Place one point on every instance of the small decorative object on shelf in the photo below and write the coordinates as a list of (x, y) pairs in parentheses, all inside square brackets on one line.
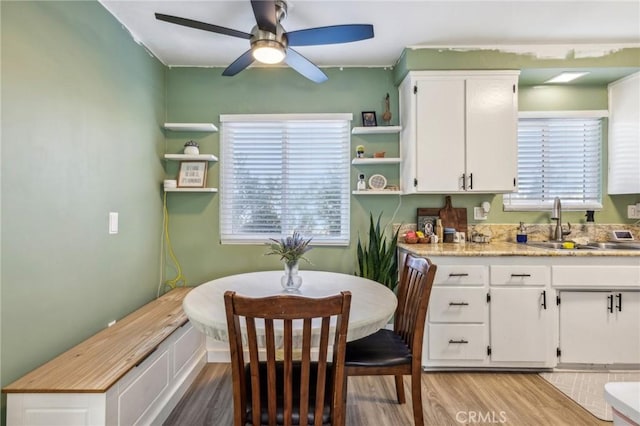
[(386, 116), (362, 185), (360, 151), (191, 148), (369, 119), (379, 154), (377, 182), (290, 249), (192, 174)]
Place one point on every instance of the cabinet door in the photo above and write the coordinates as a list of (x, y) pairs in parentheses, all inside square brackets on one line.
[(521, 325), (626, 327), (492, 143), (585, 327), (440, 135)]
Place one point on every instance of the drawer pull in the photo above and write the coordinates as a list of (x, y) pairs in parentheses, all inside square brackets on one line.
[(619, 297), (544, 299), (459, 274), (520, 275), (461, 341), (458, 304), (610, 303)]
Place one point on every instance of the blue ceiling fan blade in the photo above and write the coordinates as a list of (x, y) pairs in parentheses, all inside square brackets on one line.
[(265, 13), (239, 64), (330, 35), (202, 26), (305, 66)]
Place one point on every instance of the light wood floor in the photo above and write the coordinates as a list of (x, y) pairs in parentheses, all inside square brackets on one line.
[(448, 399)]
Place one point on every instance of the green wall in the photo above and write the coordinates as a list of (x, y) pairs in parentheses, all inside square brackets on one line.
[(82, 107), (198, 94)]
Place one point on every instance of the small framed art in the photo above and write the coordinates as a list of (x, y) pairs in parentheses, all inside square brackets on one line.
[(369, 119), (192, 174)]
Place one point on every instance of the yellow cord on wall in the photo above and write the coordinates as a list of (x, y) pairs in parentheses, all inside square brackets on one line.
[(179, 278)]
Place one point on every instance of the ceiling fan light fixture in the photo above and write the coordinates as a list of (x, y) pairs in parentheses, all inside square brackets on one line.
[(268, 51)]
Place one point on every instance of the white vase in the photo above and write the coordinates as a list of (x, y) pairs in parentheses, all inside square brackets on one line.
[(291, 281), (191, 150)]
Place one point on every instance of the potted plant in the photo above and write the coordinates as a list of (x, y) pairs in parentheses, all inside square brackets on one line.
[(378, 260), (290, 249)]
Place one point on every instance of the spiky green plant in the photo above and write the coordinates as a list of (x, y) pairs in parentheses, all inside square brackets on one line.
[(378, 261), (290, 249)]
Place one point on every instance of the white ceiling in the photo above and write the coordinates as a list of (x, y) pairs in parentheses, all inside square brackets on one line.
[(397, 24)]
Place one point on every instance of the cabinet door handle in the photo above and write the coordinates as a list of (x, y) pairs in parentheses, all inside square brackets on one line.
[(464, 182), (458, 304), (544, 299), (458, 274), (470, 180), (619, 297), (520, 275), (460, 342), (610, 303)]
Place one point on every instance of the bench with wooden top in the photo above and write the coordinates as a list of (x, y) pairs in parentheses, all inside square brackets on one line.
[(132, 372)]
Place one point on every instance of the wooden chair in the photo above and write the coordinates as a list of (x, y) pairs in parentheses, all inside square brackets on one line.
[(287, 391), (399, 352)]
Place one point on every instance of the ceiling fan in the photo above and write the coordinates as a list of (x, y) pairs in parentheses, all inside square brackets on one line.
[(270, 43)]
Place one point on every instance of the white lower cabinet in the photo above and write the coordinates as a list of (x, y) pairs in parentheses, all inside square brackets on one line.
[(521, 324), (521, 313), (503, 311), (144, 396), (600, 327)]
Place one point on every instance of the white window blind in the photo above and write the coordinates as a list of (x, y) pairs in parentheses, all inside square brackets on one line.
[(558, 157), (285, 172)]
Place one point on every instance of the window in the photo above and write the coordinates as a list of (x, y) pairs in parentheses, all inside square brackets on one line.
[(559, 155), (285, 172)]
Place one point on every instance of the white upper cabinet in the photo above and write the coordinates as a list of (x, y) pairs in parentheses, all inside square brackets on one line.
[(459, 131), (624, 136)]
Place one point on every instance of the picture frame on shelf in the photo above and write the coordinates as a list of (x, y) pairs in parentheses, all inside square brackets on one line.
[(192, 174), (369, 119)]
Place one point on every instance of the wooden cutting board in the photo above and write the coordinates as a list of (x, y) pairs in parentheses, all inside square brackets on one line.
[(452, 217)]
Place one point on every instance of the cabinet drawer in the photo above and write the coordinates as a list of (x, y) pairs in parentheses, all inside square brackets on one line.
[(461, 275), (457, 342), (520, 275), (596, 276), (458, 305)]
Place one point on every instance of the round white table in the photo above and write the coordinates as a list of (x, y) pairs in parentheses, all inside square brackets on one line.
[(372, 304)]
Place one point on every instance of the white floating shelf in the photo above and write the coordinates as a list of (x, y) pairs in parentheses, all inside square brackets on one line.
[(372, 192), (191, 127), (375, 130), (191, 189), (383, 160), (183, 157)]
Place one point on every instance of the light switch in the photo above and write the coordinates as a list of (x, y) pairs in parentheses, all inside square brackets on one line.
[(113, 222)]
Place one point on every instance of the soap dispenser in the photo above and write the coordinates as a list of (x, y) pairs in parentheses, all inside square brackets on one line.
[(590, 226), (521, 237)]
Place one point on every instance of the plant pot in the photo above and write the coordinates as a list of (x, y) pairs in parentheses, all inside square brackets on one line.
[(291, 281)]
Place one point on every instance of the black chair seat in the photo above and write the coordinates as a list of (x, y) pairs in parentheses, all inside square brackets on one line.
[(382, 348), (264, 394)]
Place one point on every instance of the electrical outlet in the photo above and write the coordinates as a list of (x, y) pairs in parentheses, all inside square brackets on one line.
[(632, 212), (479, 213)]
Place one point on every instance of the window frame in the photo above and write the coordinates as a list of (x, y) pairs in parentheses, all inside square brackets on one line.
[(228, 236), (536, 206)]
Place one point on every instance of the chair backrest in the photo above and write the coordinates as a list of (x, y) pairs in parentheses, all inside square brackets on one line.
[(264, 316), (414, 289)]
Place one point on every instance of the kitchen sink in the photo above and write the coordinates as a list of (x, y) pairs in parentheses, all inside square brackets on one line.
[(622, 245), (591, 246)]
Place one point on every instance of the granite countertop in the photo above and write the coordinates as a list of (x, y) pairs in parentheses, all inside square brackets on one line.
[(499, 248)]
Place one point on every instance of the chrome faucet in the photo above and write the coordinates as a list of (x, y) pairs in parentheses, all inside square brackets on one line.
[(556, 214)]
